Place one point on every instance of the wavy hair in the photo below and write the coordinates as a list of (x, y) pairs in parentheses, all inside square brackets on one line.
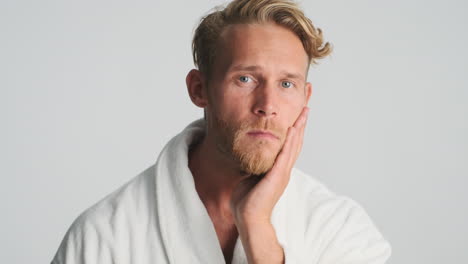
[(283, 12)]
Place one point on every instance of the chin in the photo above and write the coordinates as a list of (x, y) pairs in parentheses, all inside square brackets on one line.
[(255, 159)]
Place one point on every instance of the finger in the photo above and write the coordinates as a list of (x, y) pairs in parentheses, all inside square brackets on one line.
[(287, 149), (300, 120), (289, 152), (299, 124), (294, 145), (283, 159), (295, 139), (301, 135)]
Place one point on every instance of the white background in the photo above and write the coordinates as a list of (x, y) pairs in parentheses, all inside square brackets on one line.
[(90, 91)]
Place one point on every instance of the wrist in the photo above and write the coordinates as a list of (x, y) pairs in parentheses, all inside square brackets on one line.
[(260, 242)]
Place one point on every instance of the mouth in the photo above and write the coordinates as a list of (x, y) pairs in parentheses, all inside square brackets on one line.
[(262, 134)]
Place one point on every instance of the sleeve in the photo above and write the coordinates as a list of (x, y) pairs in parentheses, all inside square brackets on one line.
[(82, 244), (356, 241), (71, 248)]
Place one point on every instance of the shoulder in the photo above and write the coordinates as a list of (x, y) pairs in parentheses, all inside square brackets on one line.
[(313, 196), (126, 200), (101, 225), (337, 224), (316, 197)]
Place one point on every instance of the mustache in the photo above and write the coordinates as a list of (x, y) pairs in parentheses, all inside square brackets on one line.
[(262, 124)]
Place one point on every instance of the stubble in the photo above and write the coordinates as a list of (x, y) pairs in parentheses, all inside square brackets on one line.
[(253, 156)]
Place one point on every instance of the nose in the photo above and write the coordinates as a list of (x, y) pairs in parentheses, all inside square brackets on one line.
[(266, 102)]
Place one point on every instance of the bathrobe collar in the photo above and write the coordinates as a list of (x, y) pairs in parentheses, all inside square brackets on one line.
[(187, 231)]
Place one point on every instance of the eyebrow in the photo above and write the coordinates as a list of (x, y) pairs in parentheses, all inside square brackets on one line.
[(243, 67)]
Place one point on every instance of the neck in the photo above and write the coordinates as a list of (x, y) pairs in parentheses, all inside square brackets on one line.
[(215, 176)]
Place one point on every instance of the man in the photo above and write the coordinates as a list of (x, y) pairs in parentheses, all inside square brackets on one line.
[(224, 190)]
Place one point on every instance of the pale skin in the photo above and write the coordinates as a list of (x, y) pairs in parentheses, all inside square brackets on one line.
[(267, 58)]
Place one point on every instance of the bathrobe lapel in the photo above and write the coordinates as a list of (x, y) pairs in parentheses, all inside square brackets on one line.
[(186, 229)]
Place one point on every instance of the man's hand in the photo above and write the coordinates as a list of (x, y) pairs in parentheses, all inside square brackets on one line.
[(254, 198)]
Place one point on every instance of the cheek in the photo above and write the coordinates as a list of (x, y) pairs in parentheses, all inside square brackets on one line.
[(234, 107), (294, 110)]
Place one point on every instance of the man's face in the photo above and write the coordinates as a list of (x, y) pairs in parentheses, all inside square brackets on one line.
[(256, 91)]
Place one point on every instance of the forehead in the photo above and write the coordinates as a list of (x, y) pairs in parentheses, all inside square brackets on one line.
[(268, 45)]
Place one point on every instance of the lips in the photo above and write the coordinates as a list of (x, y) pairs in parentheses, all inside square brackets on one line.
[(262, 134)]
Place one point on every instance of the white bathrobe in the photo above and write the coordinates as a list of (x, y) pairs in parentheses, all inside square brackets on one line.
[(158, 217)]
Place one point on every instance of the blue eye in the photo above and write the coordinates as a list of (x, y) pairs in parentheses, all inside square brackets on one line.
[(244, 79), (286, 84)]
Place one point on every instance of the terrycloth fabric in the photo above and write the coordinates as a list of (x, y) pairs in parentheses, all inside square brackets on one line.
[(158, 217)]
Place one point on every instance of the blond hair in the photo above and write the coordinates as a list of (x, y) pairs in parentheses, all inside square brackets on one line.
[(282, 12)]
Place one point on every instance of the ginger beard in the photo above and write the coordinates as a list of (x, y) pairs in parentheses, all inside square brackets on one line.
[(254, 156)]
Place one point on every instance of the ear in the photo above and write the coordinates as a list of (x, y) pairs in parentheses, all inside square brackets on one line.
[(308, 91), (196, 88)]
